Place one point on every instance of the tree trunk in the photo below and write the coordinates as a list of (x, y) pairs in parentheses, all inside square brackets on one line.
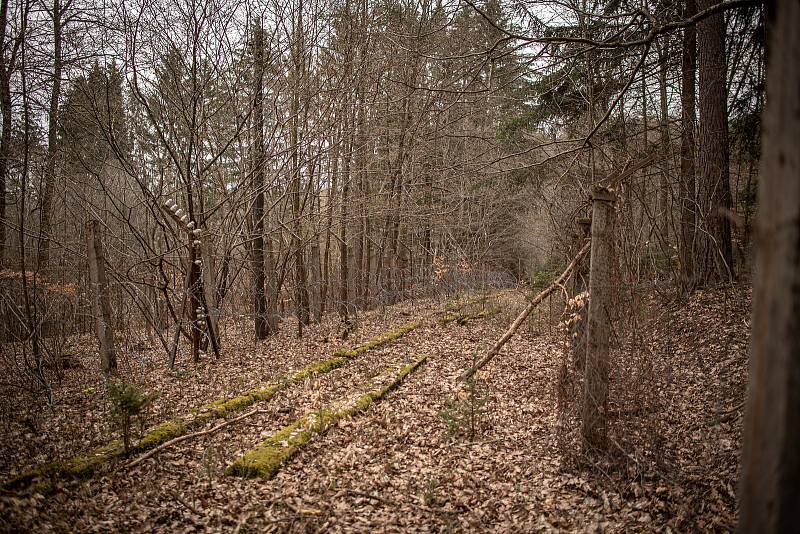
[(43, 256), (595, 395), (359, 231), (6, 67), (664, 211), (298, 248), (714, 259), (102, 305), (344, 275), (326, 261), (687, 194), (274, 285), (261, 323), (769, 492), (209, 294), (367, 248), (315, 272), (5, 154)]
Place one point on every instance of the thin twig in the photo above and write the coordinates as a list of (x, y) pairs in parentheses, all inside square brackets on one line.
[(184, 503)]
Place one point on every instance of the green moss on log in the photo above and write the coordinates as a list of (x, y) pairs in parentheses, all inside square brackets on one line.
[(23, 479), (160, 434), (265, 460), (77, 467), (319, 368), (377, 341), (86, 464), (223, 407)]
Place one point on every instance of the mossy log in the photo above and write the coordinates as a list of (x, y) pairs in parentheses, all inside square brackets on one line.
[(77, 467), (86, 464), (377, 341), (266, 460)]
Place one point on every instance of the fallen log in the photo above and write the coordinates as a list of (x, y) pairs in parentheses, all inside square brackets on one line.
[(559, 283), (266, 459)]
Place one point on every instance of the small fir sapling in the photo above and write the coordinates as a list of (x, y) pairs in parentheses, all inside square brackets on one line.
[(128, 401), (463, 413)]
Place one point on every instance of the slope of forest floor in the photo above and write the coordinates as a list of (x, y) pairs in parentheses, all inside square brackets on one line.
[(395, 467)]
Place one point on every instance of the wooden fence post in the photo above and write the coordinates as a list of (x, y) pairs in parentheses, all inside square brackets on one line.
[(595, 394), (102, 305)]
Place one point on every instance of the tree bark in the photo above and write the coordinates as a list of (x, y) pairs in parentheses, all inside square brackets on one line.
[(102, 305), (687, 194), (769, 492), (344, 275), (714, 259), (260, 322), (6, 67), (209, 295), (298, 248), (43, 256), (326, 261), (315, 272), (664, 211), (595, 394)]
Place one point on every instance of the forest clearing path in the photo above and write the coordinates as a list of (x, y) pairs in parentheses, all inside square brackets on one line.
[(394, 468), (315, 387)]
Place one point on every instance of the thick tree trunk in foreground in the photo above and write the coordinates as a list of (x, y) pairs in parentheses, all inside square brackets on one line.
[(595, 394), (769, 493)]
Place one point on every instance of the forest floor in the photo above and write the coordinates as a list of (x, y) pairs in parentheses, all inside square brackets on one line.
[(402, 464)]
